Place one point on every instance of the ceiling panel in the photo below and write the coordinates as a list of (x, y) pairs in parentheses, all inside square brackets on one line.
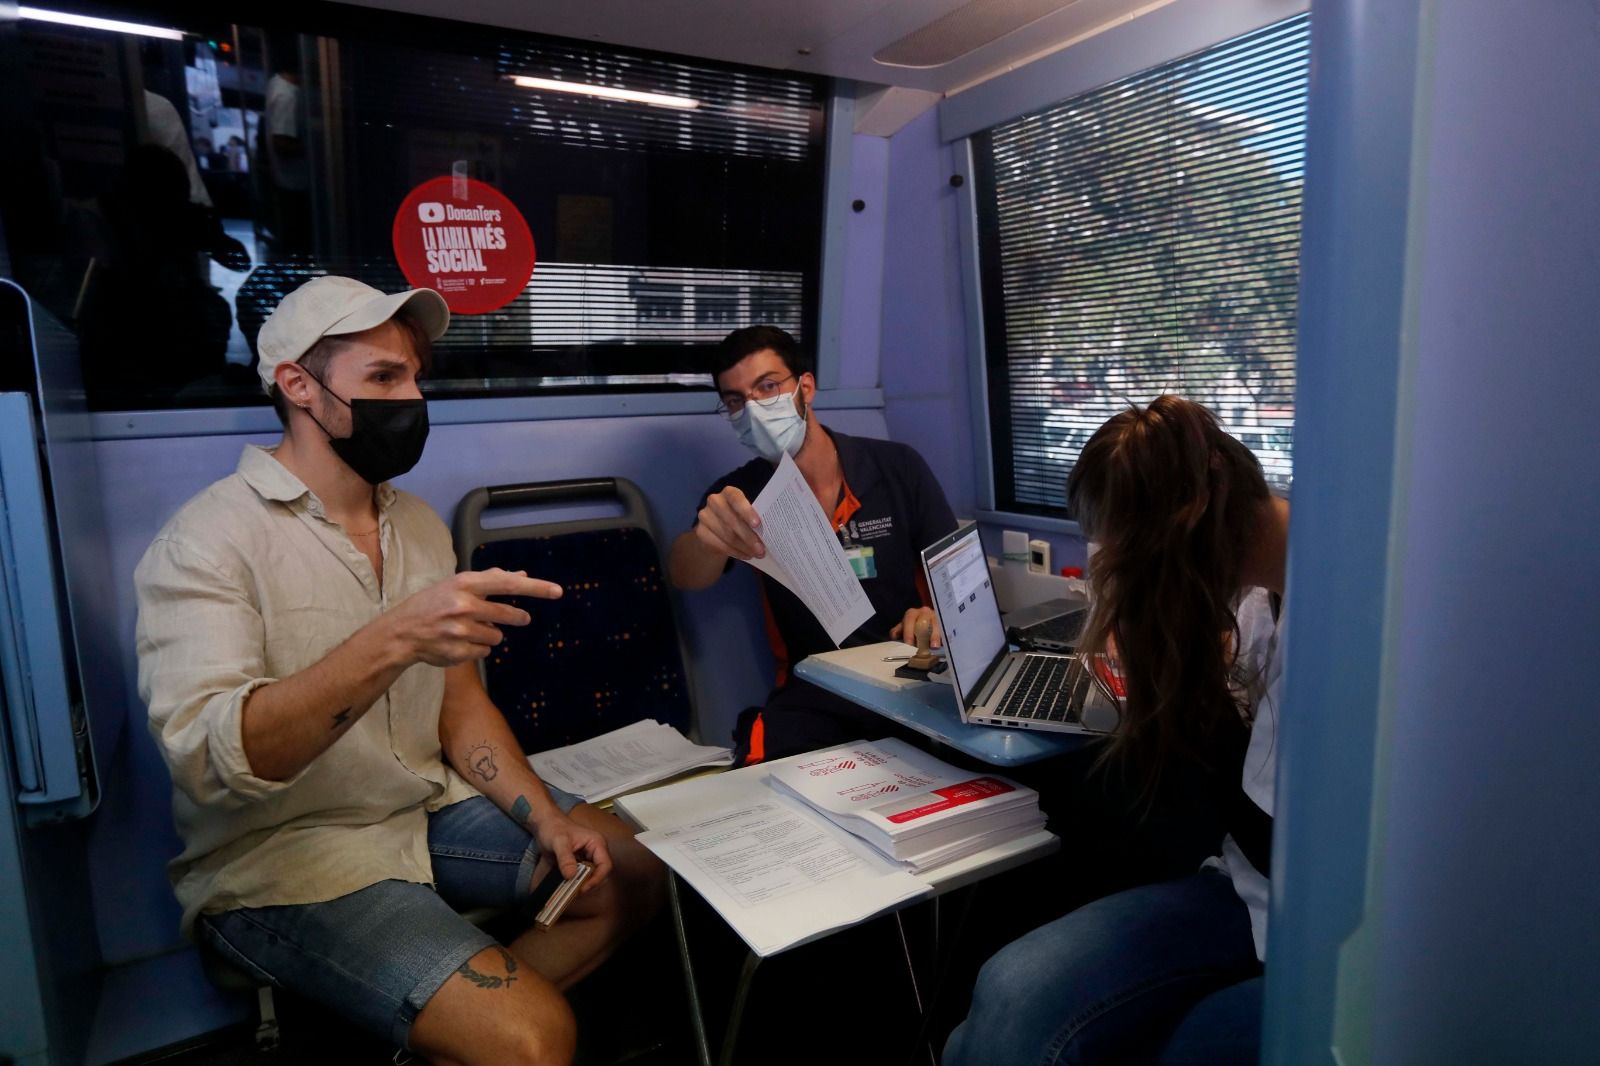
[(837, 38)]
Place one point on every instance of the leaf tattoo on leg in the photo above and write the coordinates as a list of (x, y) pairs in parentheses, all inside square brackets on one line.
[(486, 980)]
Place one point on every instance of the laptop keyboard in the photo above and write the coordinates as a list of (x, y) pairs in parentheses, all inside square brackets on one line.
[(1054, 634), (1047, 689)]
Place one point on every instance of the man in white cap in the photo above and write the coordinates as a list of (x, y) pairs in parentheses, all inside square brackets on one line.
[(342, 783)]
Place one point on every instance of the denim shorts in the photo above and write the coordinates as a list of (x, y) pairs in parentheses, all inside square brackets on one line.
[(378, 955)]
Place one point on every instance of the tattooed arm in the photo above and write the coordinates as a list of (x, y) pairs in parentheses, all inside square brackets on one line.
[(290, 722), (480, 745)]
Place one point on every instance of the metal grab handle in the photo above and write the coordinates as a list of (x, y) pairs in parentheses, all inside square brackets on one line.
[(467, 528), (550, 491)]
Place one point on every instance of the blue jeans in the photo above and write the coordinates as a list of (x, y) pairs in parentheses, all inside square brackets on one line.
[(378, 955), (1164, 974)]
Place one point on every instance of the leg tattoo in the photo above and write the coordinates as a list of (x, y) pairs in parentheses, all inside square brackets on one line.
[(485, 980)]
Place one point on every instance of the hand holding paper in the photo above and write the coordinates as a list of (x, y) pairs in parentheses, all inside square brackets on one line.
[(804, 556), (727, 525)]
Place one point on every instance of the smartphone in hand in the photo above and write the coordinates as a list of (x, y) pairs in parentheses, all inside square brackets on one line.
[(550, 913)]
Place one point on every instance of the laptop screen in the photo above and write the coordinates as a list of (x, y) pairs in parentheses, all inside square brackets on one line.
[(963, 594)]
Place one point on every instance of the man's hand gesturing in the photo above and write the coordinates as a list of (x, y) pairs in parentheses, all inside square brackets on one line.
[(455, 621)]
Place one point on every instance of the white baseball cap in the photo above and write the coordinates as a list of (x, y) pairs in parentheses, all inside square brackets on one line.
[(334, 306)]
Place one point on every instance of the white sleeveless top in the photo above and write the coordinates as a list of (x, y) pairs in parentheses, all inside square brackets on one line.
[(1262, 644)]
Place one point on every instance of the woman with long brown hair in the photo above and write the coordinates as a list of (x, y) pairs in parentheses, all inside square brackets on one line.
[(1185, 534)]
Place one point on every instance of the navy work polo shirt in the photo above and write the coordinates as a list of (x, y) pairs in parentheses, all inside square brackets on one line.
[(891, 504)]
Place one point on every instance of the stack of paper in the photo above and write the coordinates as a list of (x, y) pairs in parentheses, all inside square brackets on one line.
[(776, 870), (909, 805), (623, 760)]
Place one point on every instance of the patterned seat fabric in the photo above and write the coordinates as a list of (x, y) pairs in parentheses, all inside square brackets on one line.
[(604, 655)]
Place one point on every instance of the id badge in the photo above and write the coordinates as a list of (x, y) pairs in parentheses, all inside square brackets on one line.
[(863, 561)]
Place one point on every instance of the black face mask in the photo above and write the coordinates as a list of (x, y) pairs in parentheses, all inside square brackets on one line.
[(386, 436)]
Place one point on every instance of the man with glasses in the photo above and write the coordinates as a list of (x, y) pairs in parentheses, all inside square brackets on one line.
[(884, 504)]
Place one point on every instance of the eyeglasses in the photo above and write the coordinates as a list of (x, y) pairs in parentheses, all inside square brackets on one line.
[(732, 403)]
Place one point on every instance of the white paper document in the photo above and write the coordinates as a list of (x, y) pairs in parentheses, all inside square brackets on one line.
[(779, 874), (623, 759), (804, 555), (776, 871)]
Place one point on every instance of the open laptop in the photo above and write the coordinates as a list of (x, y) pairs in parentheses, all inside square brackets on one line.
[(996, 686), (1053, 625)]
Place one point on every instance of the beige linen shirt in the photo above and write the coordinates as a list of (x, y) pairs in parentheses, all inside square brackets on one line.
[(251, 582)]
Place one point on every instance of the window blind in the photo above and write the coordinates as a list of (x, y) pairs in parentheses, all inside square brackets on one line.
[(469, 84), (566, 312), (1144, 238)]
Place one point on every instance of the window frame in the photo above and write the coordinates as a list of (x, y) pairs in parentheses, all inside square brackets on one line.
[(1181, 28), (822, 307)]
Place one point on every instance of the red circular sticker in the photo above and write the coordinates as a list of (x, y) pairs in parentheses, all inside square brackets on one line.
[(465, 239)]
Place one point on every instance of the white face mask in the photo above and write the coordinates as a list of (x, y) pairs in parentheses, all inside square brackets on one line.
[(772, 427)]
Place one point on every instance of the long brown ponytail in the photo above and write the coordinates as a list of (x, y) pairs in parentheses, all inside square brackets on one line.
[(1171, 501)]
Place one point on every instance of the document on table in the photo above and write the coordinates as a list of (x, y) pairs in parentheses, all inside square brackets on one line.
[(635, 755), (804, 556), (779, 874)]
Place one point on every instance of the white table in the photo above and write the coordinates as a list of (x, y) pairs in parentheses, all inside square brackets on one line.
[(701, 797)]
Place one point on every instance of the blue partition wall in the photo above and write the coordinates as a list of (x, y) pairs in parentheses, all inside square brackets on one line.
[(1352, 290), (1482, 935), (1435, 879), (926, 366)]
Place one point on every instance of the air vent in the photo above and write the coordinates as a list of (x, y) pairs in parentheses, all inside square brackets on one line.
[(966, 29)]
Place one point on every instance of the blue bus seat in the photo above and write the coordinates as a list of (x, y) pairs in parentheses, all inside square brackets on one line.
[(610, 651), (230, 978)]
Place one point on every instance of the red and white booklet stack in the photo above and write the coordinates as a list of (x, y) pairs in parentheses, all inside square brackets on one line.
[(909, 805)]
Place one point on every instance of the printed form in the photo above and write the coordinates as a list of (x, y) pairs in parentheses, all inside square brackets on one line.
[(804, 556), (638, 754), (778, 873)]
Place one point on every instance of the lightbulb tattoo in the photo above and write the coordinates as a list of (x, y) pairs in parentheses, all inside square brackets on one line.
[(480, 760)]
